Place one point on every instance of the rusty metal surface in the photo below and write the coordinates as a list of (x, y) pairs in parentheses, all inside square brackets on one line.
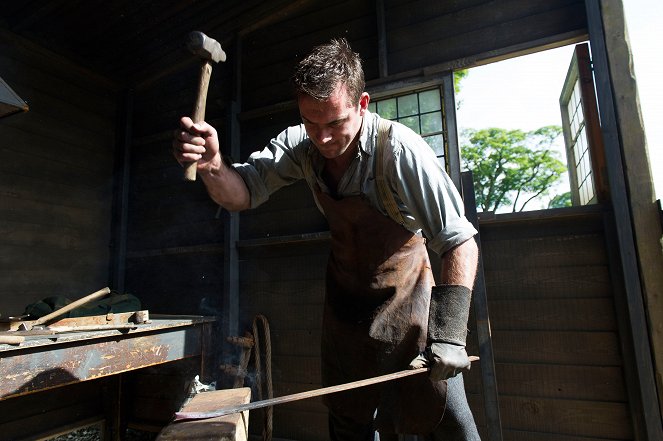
[(44, 363)]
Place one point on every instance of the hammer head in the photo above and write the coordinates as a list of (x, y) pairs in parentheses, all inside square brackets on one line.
[(205, 47)]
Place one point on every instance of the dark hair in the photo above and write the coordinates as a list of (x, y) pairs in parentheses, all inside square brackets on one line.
[(325, 67)]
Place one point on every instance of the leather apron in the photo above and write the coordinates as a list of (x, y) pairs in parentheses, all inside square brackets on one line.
[(375, 320)]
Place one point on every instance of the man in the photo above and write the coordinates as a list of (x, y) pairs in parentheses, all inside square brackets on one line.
[(380, 289)]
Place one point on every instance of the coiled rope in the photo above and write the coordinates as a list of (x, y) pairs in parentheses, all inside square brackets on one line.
[(268, 416)]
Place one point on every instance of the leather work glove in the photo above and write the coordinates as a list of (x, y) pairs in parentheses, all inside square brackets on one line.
[(447, 332)]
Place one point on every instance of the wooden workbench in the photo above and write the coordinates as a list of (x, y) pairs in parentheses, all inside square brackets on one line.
[(42, 366)]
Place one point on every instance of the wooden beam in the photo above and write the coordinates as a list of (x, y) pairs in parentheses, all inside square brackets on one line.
[(451, 128), (480, 303), (643, 398), (647, 225), (120, 210), (382, 39)]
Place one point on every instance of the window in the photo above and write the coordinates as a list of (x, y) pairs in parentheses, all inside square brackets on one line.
[(422, 112), (584, 149)]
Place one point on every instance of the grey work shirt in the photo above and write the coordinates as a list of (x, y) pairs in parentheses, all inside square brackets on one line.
[(426, 197)]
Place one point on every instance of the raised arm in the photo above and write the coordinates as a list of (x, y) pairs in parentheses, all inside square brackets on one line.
[(200, 142)]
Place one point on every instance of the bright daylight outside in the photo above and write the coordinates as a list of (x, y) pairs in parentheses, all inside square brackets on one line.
[(517, 139), (511, 135)]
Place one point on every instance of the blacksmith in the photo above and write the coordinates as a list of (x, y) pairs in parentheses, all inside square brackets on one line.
[(386, 198)]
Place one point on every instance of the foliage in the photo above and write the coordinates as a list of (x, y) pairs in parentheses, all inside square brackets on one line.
[(459, 76), (561, 200), (511, 165)]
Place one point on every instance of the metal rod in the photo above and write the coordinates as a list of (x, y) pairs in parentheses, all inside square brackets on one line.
[(185, 416)]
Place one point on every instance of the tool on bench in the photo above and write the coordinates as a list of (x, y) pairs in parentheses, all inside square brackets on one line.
[(11, 339), (209, 50), (26, 325), (187, 416)]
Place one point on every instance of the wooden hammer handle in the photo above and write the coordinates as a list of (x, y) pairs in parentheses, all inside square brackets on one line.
[(11, 339), (199, 112)]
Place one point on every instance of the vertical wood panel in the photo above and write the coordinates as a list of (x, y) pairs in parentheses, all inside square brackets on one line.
[(557, 347), (56, 163)]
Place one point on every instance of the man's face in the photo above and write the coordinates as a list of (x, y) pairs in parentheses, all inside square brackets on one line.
[(333, 125)]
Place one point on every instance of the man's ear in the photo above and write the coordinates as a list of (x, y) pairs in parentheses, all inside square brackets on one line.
[(363, 102)]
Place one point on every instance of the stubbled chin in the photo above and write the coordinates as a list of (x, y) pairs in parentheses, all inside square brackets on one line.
[(329, 152)]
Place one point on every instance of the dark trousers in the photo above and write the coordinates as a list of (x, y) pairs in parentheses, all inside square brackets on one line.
[(457, 425)]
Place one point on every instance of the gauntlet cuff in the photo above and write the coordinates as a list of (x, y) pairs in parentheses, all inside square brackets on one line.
[(449, 311)]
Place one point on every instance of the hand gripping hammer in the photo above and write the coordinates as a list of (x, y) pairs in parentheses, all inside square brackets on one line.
[(209, 50)]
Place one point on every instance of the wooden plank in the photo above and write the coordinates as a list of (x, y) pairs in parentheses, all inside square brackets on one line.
[(286, 293), (571, 314), (459, 45), (521, 435), (482, 320), (59, 97), (230, 427), (402, 14), (303, 369), (17, 258), (59, 158), (172, 234), (289, 425), (40, 188), (295, 316), (585, 281), (587, 383), (558, 347), (567, 417), (438, 23), (647, 411), (297, 267), (296, 343), (52, 214), (30, 54), (546, 252), (39, 236), (297, 36)]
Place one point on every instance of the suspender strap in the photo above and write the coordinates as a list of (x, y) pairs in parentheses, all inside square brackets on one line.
[(384, 193)]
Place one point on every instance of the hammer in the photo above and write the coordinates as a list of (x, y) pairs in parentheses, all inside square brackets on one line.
[(208, 50)]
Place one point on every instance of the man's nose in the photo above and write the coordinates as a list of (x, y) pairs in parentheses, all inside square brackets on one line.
[(323, 135)]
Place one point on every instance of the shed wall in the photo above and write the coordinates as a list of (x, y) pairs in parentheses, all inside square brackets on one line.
[(56, 177), (557, 346), (551, 294)]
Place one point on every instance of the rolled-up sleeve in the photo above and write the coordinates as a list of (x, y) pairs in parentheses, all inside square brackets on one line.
[(429, 198), (275, 166)]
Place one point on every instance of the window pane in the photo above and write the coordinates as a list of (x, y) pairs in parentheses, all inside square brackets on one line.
[(436, 142), (387, 108), (431, 122), (373, 107), (429, 101), (408, 105), (412, 122)]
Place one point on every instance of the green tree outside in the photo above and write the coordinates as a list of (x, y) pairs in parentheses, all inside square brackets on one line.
[(512, 168)]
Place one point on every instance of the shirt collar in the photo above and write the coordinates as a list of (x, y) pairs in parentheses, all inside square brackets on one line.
[(368, 133)]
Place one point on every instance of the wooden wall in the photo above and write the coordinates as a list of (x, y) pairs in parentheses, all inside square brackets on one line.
[(175, 248), (556, 341), (558, 352), (56, 165)]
